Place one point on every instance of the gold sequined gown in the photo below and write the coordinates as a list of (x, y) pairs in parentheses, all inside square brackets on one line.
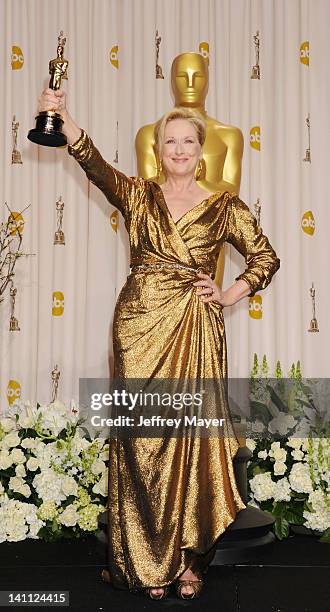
[(171, 499)]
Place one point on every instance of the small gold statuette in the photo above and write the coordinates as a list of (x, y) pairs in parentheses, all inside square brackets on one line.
[(15, 156), (307, 157), (313, 325), (159, 71), (48, 130), (255, 74), (257, 210), (13, 324), (115, 159), (55, 378), (59, 237)]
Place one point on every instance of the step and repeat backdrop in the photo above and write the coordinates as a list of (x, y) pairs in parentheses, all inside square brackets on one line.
[(268, 76)]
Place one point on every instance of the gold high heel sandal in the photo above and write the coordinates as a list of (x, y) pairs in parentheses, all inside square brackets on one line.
[(159, 595), (196, 585)]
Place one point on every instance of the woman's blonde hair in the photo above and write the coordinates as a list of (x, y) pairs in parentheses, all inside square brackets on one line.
[(180, 112)]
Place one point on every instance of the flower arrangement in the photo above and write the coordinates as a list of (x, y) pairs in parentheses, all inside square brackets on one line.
[(289, 471), (53, 476)]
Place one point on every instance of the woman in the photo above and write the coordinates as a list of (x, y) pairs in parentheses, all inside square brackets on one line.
[(171, 499)]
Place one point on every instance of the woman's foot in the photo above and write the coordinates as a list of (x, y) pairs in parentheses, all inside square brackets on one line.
[(189, 585)]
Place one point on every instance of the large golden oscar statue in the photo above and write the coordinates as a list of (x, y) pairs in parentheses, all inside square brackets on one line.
[(223, 148)]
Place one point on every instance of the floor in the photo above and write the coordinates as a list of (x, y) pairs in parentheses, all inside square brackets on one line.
[(293, 576)]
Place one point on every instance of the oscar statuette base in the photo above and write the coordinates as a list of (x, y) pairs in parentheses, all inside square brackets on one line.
[(48, 130)]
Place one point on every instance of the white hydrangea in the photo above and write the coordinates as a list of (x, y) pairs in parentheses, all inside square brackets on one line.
[(278, 453), (262, 486), (70, 516), (282, 490), (7, 424), (319, 518), (279, 468), (18, 520), (69, 486), (281, 424), (48, 485), (300, 479)]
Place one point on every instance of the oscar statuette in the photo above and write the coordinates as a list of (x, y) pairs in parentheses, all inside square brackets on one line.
[(48, 130)]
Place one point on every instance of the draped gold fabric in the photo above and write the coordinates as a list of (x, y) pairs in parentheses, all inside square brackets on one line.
[(170, 499)]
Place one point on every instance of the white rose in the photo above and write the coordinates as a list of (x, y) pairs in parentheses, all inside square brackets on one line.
[(28, 443), (294, 442), (278, 453), (258, 426), (17, 456), (263, 454), (7, 424), (32, 464), (20, 470), (298, 455), (97, 467), (1, 489), (5, 460), (69, 516), (281, 424), (11, 439), (69, 486), (279, 468), (17, 484)]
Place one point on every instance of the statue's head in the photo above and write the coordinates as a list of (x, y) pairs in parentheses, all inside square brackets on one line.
[(190, 79)]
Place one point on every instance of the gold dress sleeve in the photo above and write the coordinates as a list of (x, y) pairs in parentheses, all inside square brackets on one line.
[(247, 237), (116, 186)]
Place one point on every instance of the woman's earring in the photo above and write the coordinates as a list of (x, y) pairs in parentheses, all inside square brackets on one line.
[(199, 170)]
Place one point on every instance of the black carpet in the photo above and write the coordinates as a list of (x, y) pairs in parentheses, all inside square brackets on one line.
[(292, 576)]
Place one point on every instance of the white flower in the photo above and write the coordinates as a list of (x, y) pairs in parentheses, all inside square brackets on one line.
[(48, 485), (17, 484), (17, 456), (262, 486), (1, 489), (69, 486), (28, 443), (298, 455), (5, 460), (20, 470), (263, 454), (10, 440), (7, 424), (251, 444), (101, 487), (282, 490), (69, 516), (97, 467), (279, 468), (319, 518), (300, 479), (278, 453), (32, 464), (281, 424), (79, 444), (294, 442)]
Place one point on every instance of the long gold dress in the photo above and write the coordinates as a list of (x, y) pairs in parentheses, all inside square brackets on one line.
[(171, 499)]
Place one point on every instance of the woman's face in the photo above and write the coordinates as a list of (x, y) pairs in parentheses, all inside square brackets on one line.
[(181, 149)]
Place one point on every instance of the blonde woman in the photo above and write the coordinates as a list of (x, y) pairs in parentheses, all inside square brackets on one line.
[(171, 499)]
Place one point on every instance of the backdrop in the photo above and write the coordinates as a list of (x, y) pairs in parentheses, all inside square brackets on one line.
[(66, 294)]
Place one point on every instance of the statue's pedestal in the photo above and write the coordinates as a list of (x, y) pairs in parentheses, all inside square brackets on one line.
[(251, 530)]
